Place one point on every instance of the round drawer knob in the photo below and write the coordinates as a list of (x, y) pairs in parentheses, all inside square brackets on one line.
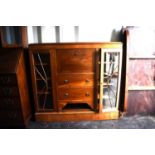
[(87, 81), (66, 81), (87, 94), (76, 52), (66, 94)]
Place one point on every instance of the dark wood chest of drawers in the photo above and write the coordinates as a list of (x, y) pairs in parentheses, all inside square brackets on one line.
[(67, 80), (14, 96)]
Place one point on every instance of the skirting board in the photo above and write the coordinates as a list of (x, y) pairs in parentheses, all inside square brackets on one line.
[(64, 117)]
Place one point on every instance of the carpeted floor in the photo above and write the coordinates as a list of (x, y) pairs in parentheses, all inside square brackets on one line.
[(134, 122)]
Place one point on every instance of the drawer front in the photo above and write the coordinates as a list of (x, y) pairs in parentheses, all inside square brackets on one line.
[(10, 117), (75, 80), (9, 103), (79, 94), (75, 60), (8, 80), (9, 92)]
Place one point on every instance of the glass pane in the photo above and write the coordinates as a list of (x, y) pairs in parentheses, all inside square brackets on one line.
[(45, 101), (111, 77)]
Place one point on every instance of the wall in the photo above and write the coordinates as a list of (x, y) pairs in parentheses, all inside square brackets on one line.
[(46, 34)]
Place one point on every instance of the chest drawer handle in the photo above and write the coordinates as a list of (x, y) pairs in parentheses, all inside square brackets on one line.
[(66, 94), (76, 53), (87, 94), (66, 81)]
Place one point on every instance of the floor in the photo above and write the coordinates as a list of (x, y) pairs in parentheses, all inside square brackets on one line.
[(134, 122)]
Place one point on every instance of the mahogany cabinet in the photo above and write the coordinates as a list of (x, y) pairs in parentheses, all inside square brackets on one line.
[(76, 81), (15, 110), (13, 36), (139, 45)]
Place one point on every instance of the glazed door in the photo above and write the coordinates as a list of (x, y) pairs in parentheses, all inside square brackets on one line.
[(110, 77), (42, 80)]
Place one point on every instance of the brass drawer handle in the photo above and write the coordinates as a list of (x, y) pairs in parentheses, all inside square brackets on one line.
[(66, 94), (87, 94), (66, 81)]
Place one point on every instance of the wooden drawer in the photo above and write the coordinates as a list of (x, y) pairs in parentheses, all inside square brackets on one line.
[(79, 94), (75, 80), (75, 60), (9, 92), (8, 80), (9, 103)]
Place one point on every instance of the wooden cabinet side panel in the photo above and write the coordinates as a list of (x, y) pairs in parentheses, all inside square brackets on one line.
[(33, 82), (23, 89)]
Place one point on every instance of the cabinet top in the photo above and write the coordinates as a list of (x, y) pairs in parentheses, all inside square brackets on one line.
[(78, 45), (9, 59)]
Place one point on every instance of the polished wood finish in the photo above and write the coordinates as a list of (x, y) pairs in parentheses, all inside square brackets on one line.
[(80, 93), (75, 60), (77, 45), (74, 80), (15, 108), (16, 36), (75, 96), (75, 116)]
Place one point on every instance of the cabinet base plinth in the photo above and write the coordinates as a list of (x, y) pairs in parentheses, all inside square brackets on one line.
[(60, 117)]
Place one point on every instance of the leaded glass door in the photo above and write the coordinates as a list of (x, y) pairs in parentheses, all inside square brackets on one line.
[(43, 80), (110, 77)]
